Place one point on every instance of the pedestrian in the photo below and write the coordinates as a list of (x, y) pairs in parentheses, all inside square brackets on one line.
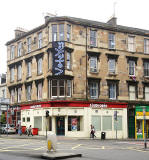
[(30, 130), (92, 132), (20, 130)]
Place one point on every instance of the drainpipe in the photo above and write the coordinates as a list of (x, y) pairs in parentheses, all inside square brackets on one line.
[(86, 65)]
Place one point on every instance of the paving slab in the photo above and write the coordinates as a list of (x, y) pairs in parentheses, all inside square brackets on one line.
[(59, 155)]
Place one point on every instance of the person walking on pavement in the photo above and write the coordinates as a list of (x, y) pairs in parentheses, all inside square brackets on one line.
[(92, 132), (30, 130), (20, 130)]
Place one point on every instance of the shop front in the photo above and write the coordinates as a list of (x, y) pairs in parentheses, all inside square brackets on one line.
[(74, 118), (141, 122)]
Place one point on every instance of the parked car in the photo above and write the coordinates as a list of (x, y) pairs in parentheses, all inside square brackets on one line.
[(11, 128)]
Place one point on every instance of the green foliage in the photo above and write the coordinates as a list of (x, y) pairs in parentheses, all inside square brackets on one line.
[(3, 118)]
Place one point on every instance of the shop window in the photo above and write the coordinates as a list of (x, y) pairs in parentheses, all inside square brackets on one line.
[(28, 119), (118, 123), (23, 119), (107, 123), (74, 123), (38, 123), (96, 122), (139, 128)]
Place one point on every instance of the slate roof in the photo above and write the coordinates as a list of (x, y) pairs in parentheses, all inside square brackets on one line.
[(88, 23)]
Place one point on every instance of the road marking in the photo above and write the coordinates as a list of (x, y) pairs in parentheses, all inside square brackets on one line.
[(102, 147), (76, 146)]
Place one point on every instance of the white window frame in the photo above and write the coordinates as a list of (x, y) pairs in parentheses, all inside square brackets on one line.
[(68, 61), (12, 96), (29, 68), (12, 74), (19, 93), (131, 43), (39, 66), (146, 46), (93, 61), (112, 90), (19, 49), (12, 52), (19, 72), (28, 92), (93, 87), (93, 38), (61, 32), (54, 33), (39, 89), (69, 88), (132, 92), (111, 41), (132, 66), (146, 92), (40, 40), (68, 32), (29, 41), (146, 69), (112, 65)]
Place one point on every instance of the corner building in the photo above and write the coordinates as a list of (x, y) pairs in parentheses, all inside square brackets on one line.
[(82, 72)]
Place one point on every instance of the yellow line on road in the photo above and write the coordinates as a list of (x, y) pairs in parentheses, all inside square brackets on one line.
[(103, 147), (76, 146)]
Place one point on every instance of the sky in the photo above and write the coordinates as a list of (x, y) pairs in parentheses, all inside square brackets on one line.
[(29, 14)]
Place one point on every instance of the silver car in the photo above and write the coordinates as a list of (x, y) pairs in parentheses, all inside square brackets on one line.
[(10, 129)]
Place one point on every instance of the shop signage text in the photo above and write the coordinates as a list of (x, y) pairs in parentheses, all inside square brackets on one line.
[(98, 105), (35, 106)]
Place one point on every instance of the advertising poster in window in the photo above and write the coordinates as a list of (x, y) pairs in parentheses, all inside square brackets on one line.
[(58, 58), (74, 124)]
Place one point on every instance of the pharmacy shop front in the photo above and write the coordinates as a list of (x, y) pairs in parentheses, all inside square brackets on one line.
[(74, 118)]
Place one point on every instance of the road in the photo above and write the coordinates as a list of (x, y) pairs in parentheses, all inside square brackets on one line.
[(24, 149)]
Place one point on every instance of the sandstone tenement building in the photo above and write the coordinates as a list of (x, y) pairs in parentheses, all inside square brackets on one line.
[(83, 72)]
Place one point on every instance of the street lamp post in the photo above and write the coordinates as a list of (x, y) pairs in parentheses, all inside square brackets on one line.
[(144, 118)]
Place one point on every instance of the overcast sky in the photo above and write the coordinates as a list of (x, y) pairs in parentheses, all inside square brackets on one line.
[(28, 14)]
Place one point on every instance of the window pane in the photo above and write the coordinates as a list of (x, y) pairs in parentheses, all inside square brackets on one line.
[(118, 123), (54, 32), (38, 123), (112, 65), (112, 91), (61, 87), (147, 93), (107, 123), (132, 92), (96, 122), (61, 32)]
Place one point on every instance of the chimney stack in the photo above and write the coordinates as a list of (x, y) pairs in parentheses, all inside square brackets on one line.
[(19, 32), (112, 21)]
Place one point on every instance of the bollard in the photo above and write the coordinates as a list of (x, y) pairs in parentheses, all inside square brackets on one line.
[(51, 142)]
